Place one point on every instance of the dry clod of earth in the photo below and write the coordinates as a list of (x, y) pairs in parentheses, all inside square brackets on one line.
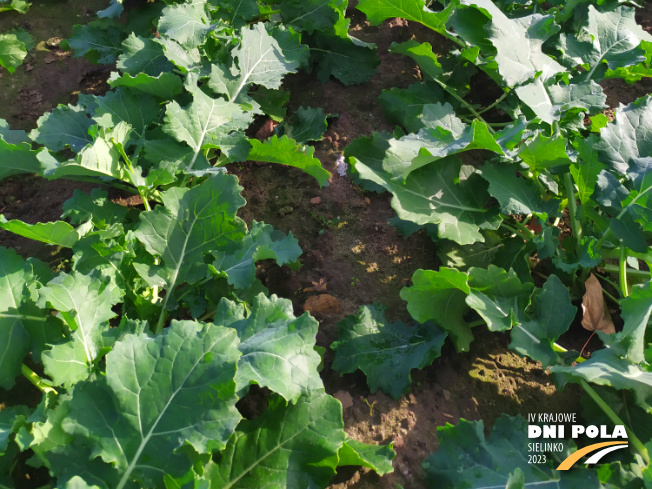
[(322, 304)]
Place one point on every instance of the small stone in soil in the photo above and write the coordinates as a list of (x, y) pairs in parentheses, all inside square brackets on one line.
[(315, 200)]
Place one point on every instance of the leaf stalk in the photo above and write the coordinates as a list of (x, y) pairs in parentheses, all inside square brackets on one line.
[(467, 105), (622, 272), (576, 226), (41, 384), (636, 443)]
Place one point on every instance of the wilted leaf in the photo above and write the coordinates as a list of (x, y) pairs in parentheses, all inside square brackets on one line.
[(595, 315)]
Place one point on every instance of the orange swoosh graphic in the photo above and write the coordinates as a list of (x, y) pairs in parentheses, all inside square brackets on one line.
[(570, 461)]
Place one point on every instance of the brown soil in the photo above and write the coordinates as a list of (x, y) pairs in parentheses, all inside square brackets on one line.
[(350, 250)]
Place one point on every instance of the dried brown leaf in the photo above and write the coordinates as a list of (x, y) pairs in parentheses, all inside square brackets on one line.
[(595, 315)]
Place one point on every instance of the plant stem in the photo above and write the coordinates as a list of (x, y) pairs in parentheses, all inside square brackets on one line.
[(609, 296), (644, 274), (40, 383), (121, 150), (467, 105), (622, 272), (560, 349), (143, 197), (605, 234), (478, 322), (489, 107), (587, 342), (524, 229), (209, 314), (608, 231), (572, 207), (636, 443), (555, 346), (519, 230)]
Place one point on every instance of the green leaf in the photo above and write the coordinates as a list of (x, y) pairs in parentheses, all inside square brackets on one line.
[(638, 202), (23, 325), (97, 207), (187, 60), (14, 337), (386, 352), (142, 55), (605, 367), (637, 72), (186, 23), (99, 41), (422, 54), (543, 153), (518, 43), (350, 61), (435, 194), (20, 6), (312, 15), (404, 106), (629, 232), (636, 308), (375, 457), (11, 419), (67, 125), (165, 86), (17, 158), (12, 51), (277, 348), (443, 134), (462, 258), (515, 195), (466, 459), (290, 42), (113, 10), (285, 151), (191, 223), (585, 172), (101, 158), (586, 95), (58, 233), (612, 37), (306, 124), (627, 137), (145, 411), (609, 192), (414, 10), (547, 318), (13, 137), (551, 102), (123, 106), (439, 296), (85, 304), (206, 123), (272, 102), (262, 242), (239, 10), (169, 155), (287, 446), (498, 296), (261, 61)]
